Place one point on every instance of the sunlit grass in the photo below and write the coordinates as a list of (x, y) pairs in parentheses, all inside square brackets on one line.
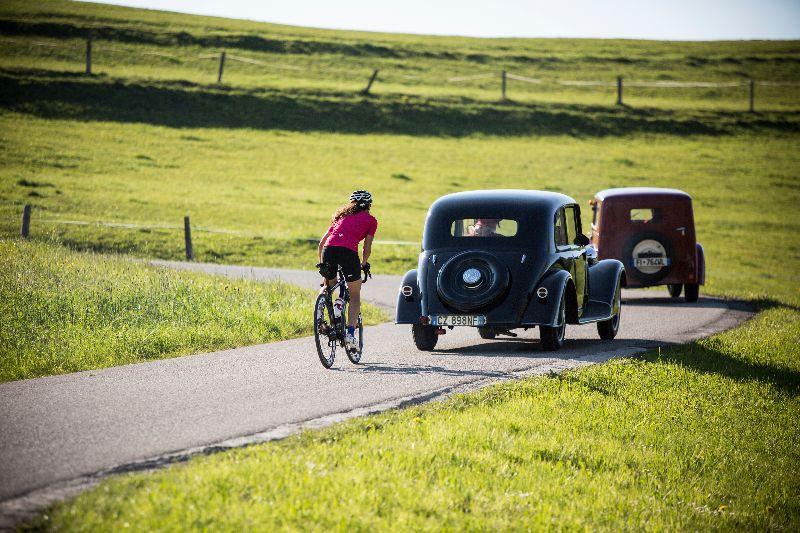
[(279, 188)]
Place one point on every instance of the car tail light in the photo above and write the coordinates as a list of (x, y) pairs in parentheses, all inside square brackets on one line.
[(424, 320)]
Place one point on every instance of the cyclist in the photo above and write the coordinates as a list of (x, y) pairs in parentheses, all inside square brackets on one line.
[(350, 224)]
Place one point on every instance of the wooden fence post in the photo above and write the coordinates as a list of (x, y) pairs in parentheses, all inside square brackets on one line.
[(187, 236), (370, 82), (89, 54), (221, 66), (503, 84), (26, 222), (619, 90), (752, 96)]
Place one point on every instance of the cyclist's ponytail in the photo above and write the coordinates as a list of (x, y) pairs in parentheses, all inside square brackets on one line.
[(348, 209)]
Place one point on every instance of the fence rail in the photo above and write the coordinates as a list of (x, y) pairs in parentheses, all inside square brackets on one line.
[(187, 228), (505, 76)]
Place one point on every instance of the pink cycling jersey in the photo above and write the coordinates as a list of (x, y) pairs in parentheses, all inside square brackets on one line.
[(348, 231)]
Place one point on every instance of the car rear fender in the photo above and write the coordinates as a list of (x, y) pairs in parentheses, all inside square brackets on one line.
[(409, 308), (603, 279), (701, 264), (544, 311)]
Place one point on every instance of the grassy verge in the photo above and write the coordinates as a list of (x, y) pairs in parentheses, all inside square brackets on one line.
[(62, 311), (702, 437)]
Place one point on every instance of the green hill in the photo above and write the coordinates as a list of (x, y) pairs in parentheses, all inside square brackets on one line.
[(150, 135)]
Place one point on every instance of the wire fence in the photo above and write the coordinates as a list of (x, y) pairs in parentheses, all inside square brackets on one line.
[(187, 228), (503, 76)]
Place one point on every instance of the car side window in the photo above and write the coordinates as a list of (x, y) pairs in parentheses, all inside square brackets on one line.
[(559, 230), (570, 224)]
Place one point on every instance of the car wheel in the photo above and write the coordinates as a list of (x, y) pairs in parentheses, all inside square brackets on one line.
[(692, 292), (471, 281), (487, 333), (425, 337), (647, 244), (607, 329), (674, 289), (552, 338)]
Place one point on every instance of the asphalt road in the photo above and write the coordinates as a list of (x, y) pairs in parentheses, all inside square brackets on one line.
[(59, 430)]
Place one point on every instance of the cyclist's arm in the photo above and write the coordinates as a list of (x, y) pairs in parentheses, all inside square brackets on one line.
[(322, 244), (367, 248)]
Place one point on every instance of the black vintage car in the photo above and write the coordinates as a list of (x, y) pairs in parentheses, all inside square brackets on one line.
[(505, 259)]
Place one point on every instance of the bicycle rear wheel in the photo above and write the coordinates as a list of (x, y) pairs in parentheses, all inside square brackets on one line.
[(324, 331), (355, 357)]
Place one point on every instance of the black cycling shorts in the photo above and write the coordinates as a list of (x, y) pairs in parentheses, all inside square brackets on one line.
[(347, 258)]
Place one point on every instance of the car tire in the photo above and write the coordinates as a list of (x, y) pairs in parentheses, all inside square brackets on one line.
[(607, 329), (691, 292), (487, 333), (425, 337), (674, 290), (494, 284), (646, 278), (552, 338)]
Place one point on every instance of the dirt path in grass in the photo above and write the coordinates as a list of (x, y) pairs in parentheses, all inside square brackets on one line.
[(62, 433)]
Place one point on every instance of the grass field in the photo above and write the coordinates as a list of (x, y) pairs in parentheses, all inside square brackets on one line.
[(279, 188), (699, 437), (62, 311)]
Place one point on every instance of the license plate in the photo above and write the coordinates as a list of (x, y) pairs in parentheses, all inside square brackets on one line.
[(458, 320), (651, 262)]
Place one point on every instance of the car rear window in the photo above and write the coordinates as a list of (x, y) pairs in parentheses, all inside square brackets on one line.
[(484, 227), (645, 216)]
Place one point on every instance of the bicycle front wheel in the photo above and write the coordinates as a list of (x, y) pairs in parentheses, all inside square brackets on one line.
[(324, 331)]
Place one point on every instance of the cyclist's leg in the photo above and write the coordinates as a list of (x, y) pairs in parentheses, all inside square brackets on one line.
[(329, 256), (354, 288), (351, 268)]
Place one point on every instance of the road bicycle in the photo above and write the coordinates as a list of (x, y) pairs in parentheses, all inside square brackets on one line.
[(329, 329)]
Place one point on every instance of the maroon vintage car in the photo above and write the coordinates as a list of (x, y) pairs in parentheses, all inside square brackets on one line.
[(651, 231)]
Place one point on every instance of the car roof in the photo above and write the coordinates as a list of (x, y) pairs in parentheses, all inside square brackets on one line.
[(504, 197), (628, 192)]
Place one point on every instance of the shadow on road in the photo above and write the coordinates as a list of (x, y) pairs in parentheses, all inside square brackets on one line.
[(424, 369), (677, 303)]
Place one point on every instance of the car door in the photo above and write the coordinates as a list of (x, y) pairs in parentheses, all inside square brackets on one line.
[(572, 220)]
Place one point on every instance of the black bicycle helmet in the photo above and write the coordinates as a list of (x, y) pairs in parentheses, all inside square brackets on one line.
[(361, 198)]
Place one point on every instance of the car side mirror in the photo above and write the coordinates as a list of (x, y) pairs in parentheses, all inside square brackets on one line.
[(582, 240), (591, 255)]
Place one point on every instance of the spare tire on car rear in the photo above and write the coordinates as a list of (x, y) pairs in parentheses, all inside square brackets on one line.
[(471, 281), (643, 246)]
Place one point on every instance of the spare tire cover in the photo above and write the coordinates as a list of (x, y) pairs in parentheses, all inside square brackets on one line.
[(472, 280), (648, 257)]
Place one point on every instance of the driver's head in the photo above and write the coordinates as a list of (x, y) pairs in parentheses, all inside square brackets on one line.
[(487, 223)]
